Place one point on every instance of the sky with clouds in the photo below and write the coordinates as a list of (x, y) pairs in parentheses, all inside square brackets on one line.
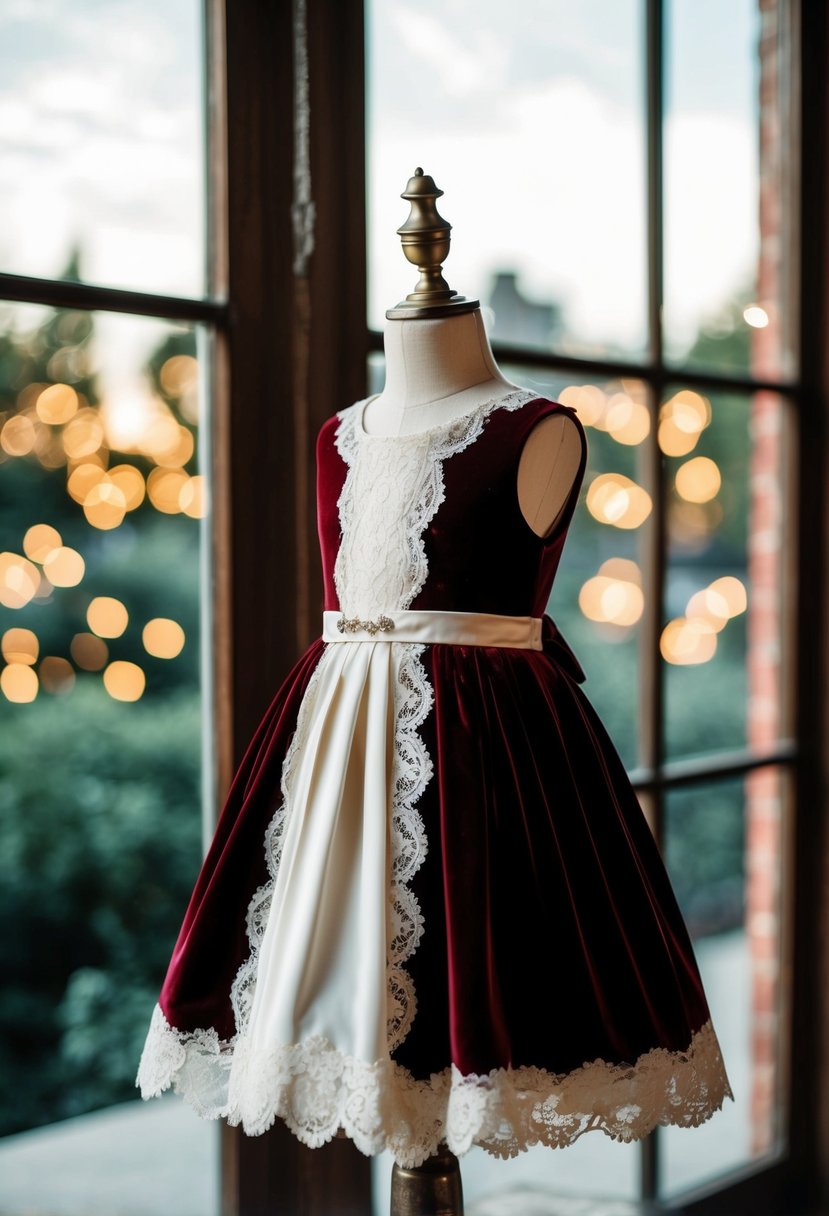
[(529, 116)]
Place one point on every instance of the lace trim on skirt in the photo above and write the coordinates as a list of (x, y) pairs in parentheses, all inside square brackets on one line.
[(316, 1090)]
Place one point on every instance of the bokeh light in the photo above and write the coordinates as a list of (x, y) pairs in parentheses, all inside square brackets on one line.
[(64, 567), (18, 435), (755, 316), (179, 378), (163, 638), (179, 375), (19, 580), (709, 606), (89, 652), (682, 419), (44, 590), (105, 505), (160, 437), (686, 640), (18, 683), (57, 676), (193, 497), (20, 646), (698, 480), (27, 397), (733, 592), (57, 404), (176, 454), (626, 420), (82, 479), (164, 487), (84, 434), (614, 595), (587, 400), (107, 617), (41, 540), (614, 499), (130, 482), (124, 681)]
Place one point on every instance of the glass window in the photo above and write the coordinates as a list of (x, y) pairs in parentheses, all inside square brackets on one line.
[(712, 237), (101, 502), (729, 586), (726, 844), (532, 122), (101, 143)]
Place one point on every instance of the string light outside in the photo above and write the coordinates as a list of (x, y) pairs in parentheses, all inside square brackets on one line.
[(615, 499), (163, 638), (682, 419), (614, 596), (698, 479), (19, 580), (107, 617), (124, 681), (18, 683), (692, 637), (41, 540), (20, 646)]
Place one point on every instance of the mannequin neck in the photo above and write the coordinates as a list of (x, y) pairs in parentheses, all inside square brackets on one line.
[(436, 370)]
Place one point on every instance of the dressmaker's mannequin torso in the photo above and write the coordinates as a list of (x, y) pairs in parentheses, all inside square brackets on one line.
[(441, 369)]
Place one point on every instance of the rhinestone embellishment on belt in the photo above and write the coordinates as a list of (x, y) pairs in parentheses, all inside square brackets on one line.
[(352, 624)]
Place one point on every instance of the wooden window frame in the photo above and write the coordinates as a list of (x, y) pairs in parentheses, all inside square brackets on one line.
[(289, 345)]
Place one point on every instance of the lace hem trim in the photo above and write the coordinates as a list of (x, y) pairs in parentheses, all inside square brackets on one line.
[(316, 1090)]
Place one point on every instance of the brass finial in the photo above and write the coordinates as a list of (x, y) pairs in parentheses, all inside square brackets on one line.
[(425, 239)]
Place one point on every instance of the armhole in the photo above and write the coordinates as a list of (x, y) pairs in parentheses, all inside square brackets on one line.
[(550, 409)]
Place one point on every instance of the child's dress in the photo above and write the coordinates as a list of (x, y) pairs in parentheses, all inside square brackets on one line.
[(433, 909)]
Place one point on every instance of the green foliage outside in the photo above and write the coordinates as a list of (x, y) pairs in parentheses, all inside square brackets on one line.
[(99, 847), (100, 800)]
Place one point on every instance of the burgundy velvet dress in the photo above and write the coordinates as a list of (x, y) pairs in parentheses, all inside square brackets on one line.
[(433, 910)]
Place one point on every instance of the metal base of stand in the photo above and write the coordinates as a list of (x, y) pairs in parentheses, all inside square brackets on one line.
[(432, 1189)]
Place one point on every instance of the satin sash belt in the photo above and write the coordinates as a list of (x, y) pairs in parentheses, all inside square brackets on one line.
[(450, 628)]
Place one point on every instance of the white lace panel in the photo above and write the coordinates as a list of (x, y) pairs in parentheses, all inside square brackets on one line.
[(392, 489), (374, 572)]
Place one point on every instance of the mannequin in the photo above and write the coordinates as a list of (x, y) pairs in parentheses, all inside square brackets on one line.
[(440, 367)]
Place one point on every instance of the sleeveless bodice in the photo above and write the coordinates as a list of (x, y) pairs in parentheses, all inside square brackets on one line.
[(432, 520)]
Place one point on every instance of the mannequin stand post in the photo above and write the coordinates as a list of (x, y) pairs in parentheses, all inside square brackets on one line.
[(431, 1189)]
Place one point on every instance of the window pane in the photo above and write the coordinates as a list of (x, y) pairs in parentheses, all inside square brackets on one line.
[(598, 596), (101, 143), (534, 129), (100, 744), (726, 846), (731, 571), (729, 239)]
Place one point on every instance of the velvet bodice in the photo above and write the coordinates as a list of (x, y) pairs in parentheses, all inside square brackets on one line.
[(481, 554)]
